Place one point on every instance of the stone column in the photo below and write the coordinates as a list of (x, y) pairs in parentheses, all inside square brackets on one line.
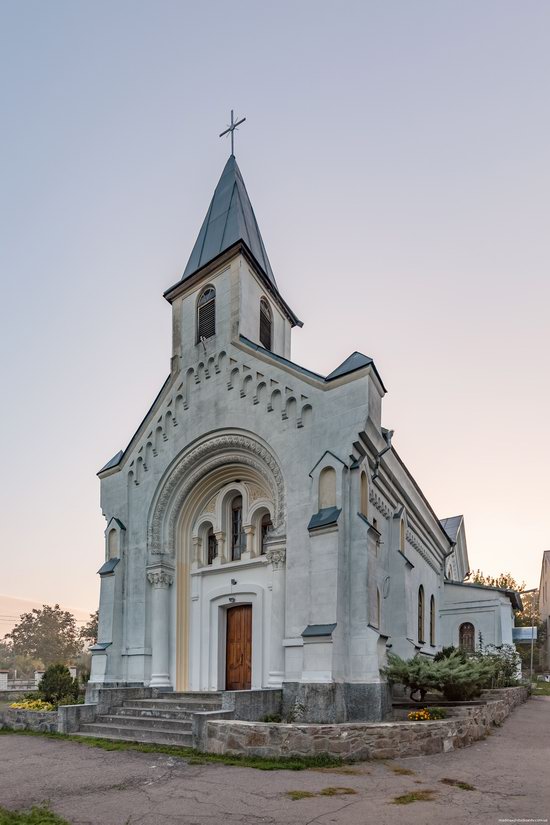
[(276, 556), (249, 531), (160, 577), (197, 555), (220, 539)]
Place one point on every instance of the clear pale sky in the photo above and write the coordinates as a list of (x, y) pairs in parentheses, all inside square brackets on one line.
[(397, 155)]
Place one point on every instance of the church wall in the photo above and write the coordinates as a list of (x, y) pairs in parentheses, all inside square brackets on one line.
[(489, 611), (230, 385), (251, 291)]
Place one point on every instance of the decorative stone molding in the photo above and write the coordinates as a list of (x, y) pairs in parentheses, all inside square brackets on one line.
[(255, 492), (378, 502), (421, 550), (199, 462), (277, 557), (160, 578)]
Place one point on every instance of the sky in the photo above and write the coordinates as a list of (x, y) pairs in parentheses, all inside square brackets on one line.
[(397, 155)]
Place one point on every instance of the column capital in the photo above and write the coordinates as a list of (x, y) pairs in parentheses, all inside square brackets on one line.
[(276, 556), (160, 577)]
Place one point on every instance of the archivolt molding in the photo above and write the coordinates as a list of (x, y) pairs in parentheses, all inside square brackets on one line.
[(208, 456)]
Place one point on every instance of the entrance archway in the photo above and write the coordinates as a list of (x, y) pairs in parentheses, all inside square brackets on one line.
[(192, 504)]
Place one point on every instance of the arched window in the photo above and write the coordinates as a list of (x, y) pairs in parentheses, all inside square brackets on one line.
[(327, 488), (402, 535), (265, 526), (432, 621), (466, 637), (266, 323), (420, 615), (212, 545), (237, 532), (378, 607), (206, 314), (364, 494)]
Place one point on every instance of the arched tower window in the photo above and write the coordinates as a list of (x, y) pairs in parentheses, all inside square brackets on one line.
[(112, 544), (265, 526), (266, 323), (327, 488), (206, 314), (378, 607), (420, 615), (237, 532), (364, 494), (432, 621), (212, 545), (466, 637)]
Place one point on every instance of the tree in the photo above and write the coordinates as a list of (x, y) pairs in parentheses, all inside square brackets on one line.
[(530, 612), (7, 656), (88, 633), (504, 580), (49, 634)]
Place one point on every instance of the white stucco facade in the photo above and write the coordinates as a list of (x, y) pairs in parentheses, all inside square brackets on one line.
[(253, 482)]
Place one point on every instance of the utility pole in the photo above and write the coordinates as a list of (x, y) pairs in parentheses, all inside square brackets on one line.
[(533, 590)]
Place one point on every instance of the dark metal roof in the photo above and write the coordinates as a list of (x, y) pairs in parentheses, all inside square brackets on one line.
[(319, 630), (113, 461), (353, 362), (324, 518), (230, 218), (451, 526), (108, 567)]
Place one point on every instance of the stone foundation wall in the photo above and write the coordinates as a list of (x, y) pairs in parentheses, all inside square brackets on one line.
[(18, 719), (385, 740), (336, 702)]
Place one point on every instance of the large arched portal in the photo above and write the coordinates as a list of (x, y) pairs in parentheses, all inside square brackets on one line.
[(209, 523)]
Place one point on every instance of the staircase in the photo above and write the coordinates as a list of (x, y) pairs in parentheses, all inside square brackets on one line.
[(166, 720)]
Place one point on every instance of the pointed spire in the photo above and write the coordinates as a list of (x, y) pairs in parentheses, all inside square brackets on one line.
[(230, 219)]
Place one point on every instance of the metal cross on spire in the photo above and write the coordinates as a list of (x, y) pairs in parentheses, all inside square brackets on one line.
[(231, 130)]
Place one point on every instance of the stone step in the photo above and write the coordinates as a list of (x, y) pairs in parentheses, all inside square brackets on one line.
[(171, 725), (174, 704), (191, 694), (129, 734), (155, 713)]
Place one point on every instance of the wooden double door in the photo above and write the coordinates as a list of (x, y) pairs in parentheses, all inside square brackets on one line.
[(238, 669)]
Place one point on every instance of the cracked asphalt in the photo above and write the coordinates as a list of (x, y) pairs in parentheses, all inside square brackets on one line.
[(89, 786)]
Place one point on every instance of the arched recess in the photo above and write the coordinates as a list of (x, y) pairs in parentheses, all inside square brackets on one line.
[(466, 637), (229, 461)]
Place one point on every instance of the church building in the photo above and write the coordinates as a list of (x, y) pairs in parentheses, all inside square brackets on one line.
[(262, 530)]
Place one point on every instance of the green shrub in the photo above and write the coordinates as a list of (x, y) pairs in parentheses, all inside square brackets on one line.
[(417, 674), (457, 676), (506, 663), (446, 652), (57, 684), (462, 679)]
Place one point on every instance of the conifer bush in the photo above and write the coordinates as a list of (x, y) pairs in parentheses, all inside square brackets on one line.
[(458, 676), (58, 686)]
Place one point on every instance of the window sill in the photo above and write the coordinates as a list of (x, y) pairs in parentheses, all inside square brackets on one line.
[(210, 569)]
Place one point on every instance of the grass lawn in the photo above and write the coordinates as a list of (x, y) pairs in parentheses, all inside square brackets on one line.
[(285, 763), (34, 816), (541, 689)]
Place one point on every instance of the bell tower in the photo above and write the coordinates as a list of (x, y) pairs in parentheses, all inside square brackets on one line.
[(228, 289)]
